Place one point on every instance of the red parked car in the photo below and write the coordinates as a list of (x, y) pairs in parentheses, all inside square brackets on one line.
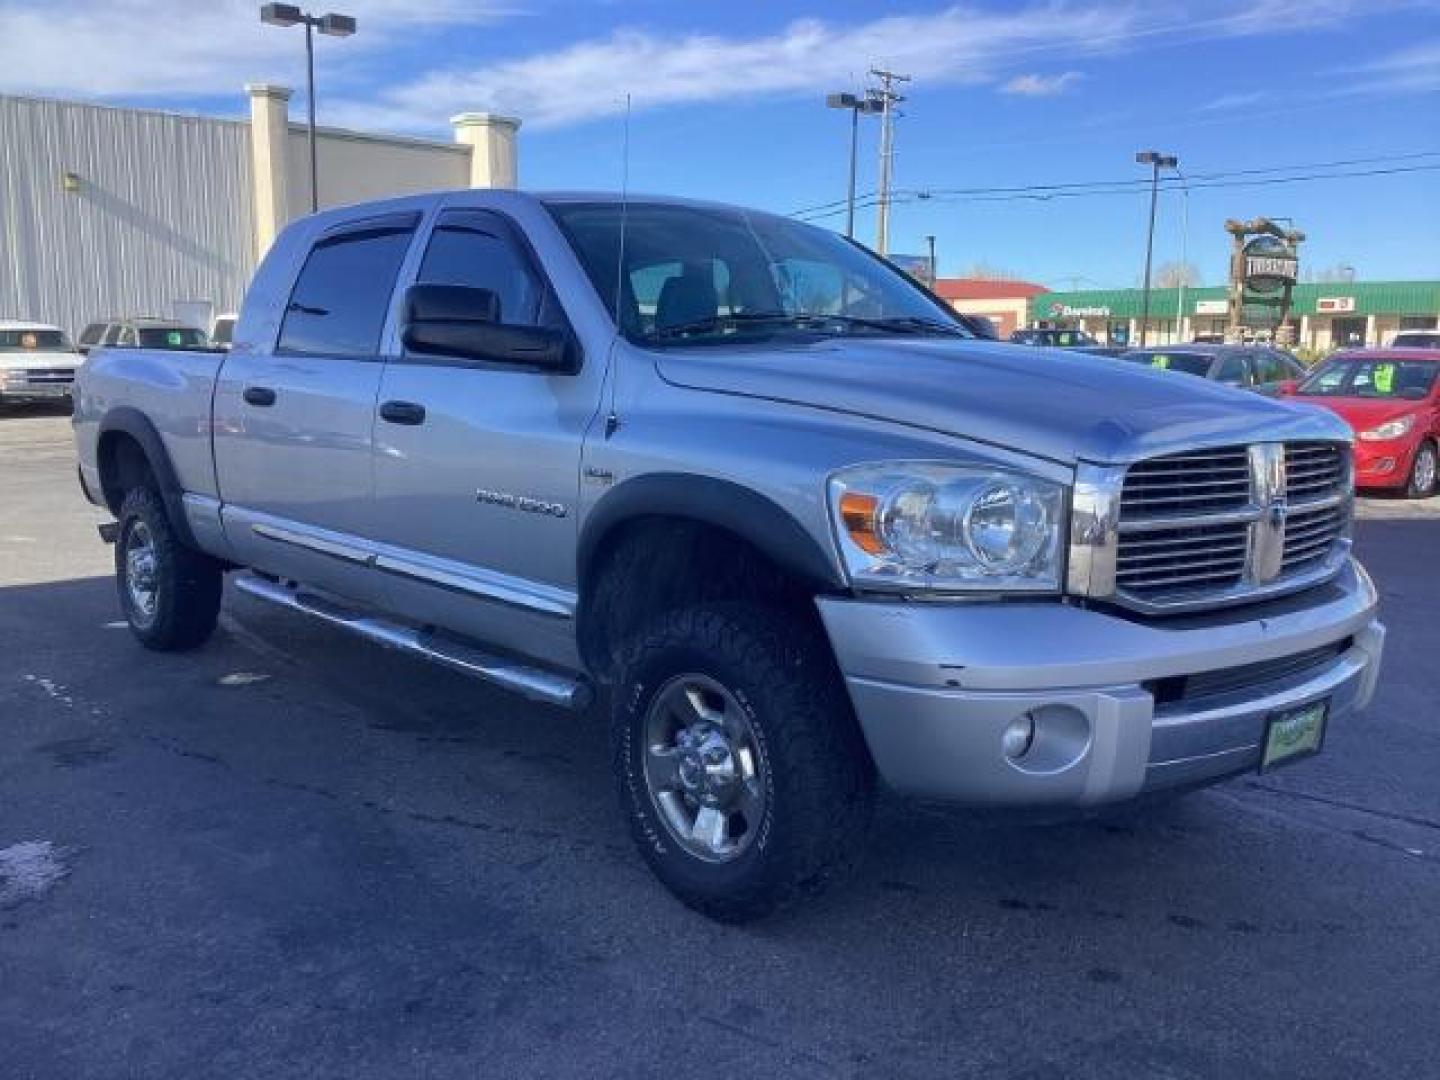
[(1391, 398)]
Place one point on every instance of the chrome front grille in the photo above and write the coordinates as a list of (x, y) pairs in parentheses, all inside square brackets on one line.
[(1202, 528), (43, 376)]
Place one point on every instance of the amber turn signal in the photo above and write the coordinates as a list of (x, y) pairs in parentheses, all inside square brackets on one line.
[(858, 512)]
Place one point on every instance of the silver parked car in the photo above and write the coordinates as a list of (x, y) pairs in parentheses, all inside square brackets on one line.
[(764, 498)]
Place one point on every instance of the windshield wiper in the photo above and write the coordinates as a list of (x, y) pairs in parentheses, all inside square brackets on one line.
[(911, 324), (716, 322)]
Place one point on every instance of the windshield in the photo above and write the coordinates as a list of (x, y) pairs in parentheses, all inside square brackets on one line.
[(34, 341), (1187, 363), (1371, 378), (705, 275), (171, 337)]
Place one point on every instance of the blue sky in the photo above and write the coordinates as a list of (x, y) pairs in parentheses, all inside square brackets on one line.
[(728, 103)]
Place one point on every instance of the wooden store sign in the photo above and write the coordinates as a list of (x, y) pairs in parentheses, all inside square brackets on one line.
[(1270, 264)]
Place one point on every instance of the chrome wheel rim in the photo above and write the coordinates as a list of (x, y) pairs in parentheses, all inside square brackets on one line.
[(1425, 470), (704, 769), (141, 572)]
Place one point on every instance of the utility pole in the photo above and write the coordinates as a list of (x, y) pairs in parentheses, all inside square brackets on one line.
[(934, 272), (889, 98)]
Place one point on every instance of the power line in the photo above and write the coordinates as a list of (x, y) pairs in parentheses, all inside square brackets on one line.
[(1046, 193)]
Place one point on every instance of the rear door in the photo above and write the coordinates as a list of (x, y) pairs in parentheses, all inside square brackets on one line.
[(294, 423), (477, 475)]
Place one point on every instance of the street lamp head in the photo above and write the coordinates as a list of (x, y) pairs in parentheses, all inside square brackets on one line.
[(1159, 160), (841, 101), (281, 14), (336, 25)]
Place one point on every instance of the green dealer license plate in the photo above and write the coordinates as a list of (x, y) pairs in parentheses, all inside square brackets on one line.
[(1294, 734)]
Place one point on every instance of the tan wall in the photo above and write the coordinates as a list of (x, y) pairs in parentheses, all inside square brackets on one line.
[(1007, 315), (354, 168)]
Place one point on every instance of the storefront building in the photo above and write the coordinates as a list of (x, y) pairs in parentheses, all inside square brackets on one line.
[(1004, 303), (1322, 316)]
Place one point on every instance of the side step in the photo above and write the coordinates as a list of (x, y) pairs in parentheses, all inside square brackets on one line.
[(534, 683)]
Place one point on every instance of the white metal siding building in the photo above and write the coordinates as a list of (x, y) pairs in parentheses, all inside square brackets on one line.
[(117, 212)]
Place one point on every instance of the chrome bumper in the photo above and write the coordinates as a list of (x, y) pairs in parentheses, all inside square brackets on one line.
[(934, 686)]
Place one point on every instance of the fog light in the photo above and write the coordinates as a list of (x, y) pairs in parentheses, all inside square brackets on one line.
[(1018, 736)]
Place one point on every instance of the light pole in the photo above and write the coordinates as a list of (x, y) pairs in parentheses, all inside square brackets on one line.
[(856, 105), (330, 24), (1156, 161), (1184, 251), (934, 273)]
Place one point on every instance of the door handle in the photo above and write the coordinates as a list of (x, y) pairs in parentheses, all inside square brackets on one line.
[(262, 397), (402, 412)]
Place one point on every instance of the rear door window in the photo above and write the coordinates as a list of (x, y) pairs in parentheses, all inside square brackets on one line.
[(342, 296)]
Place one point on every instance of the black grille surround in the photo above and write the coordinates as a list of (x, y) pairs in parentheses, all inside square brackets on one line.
[(1207, 527)]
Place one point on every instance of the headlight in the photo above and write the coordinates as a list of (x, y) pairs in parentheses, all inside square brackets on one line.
[(917, 526), (1391, 429)]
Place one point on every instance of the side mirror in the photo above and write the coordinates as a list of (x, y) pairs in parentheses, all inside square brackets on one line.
[(463, 322)]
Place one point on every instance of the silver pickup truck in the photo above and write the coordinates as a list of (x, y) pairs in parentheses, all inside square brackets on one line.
[(764, 497)]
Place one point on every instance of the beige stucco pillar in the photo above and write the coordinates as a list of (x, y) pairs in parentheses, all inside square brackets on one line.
[(494, 160), (269, 160)]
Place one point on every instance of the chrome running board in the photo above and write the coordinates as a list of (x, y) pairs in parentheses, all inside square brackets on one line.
[(534, 683)]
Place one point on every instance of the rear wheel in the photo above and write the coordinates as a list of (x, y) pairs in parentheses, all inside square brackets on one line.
[(1423, 472), (741, 768), (170, 594)]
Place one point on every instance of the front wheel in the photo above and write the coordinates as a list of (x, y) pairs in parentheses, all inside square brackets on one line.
[(1423, 472), (741, 768), (170, 594)]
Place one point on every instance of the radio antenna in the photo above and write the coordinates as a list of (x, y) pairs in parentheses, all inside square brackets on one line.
[(612, 420)]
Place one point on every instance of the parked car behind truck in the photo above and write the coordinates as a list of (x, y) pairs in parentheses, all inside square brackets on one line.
[(1260, 368), (37, 362), (758, 493), (1391, 398)]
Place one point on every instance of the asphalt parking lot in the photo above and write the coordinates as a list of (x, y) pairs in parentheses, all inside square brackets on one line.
[(292, 854)]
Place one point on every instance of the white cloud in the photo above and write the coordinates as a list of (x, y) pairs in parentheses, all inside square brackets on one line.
[(587, 80), (1226, 102), (391, 75), (1412, 70), (104, 48), (1041, 85)]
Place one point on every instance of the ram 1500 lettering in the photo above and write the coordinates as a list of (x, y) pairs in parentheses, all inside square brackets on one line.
[(801, 532)]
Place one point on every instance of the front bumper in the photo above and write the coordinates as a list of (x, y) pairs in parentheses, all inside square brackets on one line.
[(935, 685), (1384, 464)]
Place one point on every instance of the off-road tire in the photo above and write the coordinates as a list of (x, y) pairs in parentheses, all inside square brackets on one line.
[(1413, 488), (819, 776), (188, 583)]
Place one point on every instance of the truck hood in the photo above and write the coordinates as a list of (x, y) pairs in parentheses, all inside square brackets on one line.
[(31, 359), (1052, 403)]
